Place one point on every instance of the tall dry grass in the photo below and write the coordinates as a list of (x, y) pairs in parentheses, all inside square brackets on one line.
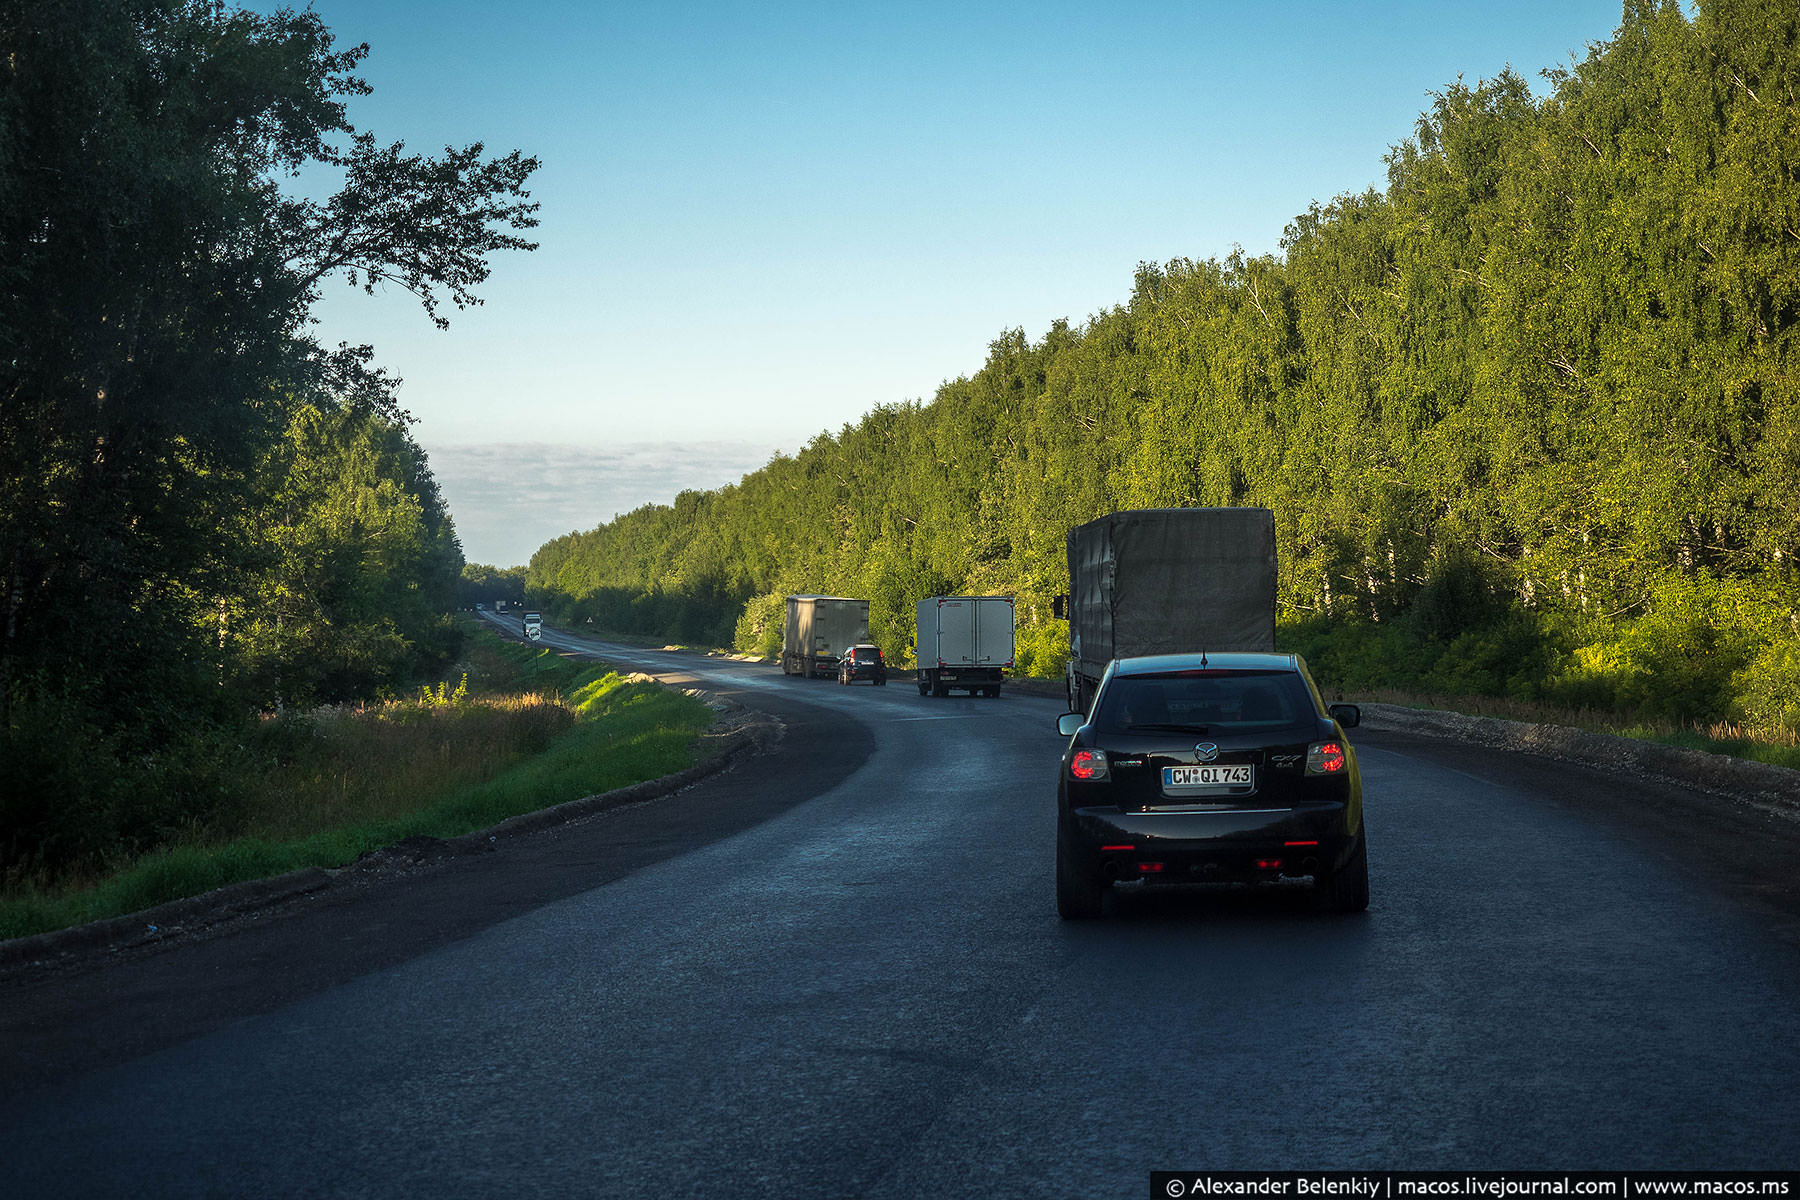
[(349, 766), (333, 784)]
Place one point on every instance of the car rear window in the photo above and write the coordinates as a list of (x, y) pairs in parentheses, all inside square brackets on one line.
[(1205, 701)]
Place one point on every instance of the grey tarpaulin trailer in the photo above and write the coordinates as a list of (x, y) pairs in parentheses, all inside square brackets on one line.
[(1167, 581), (819, 630)]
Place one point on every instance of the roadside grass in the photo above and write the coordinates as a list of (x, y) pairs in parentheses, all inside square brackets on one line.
[(1779, 748), (523, 730)]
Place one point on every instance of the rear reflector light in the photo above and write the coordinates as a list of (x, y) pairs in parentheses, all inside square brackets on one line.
[(1299, 843), (1268, 864), (1118, 847), (1150, 868)]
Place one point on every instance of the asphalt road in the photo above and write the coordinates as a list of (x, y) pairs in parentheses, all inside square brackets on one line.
[(837, 971)]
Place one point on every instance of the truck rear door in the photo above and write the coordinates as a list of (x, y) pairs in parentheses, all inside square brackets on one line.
[(993, 630), (956, 632)]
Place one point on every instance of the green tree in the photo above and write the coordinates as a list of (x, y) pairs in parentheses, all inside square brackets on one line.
[(154, 348), (363, 564)]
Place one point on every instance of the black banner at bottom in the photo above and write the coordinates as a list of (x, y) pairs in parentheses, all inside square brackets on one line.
[(1474, 1185)]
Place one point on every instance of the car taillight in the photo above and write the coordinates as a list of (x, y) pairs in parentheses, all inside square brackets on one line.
[(1325, 758), (1088, 764)]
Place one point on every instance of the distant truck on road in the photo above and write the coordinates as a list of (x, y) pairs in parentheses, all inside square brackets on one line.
[(1166, 581), (534, 626), (964, 642), (820, 629)]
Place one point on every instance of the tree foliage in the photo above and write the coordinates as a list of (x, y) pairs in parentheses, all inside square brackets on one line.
[(1526, 417), (202, 511), (363, 564)]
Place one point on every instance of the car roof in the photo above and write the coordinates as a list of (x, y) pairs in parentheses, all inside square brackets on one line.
[(1158, 664)]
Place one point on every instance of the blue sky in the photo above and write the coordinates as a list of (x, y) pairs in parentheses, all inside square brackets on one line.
[(760, 221)]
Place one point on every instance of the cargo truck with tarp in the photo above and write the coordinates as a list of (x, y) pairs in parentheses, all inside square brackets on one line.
[(819, 630), (964, 642), (1167, 581)]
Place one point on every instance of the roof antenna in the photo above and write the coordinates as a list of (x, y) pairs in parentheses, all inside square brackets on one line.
[(1203, 660)]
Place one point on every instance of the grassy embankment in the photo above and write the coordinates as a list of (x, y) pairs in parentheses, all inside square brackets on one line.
[(1363, 663), (1519, 671), (1778, 748), (523, 730)]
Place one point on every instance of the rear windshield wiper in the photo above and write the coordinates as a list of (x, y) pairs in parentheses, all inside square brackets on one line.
[(1173, 728)]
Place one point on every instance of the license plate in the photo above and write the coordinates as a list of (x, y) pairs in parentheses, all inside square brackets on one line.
[(1221, 775)]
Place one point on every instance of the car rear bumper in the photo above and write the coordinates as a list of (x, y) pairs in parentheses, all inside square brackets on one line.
[(1220, 846)]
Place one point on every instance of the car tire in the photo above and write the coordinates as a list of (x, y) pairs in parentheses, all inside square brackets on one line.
[(1078, 896), (1346, 890), (924, 687)]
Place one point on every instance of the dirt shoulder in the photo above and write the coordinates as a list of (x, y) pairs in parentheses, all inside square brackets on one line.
[(1775, 789), (1730, 827), (86, 998)]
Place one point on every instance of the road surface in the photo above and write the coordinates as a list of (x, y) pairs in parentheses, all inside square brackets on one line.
[(862, 989)]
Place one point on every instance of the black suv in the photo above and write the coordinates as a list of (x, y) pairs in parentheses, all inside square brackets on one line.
[(1209, 768), (862, 662)]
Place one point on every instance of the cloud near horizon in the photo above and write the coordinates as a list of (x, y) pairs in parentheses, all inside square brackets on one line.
[(509, 498)]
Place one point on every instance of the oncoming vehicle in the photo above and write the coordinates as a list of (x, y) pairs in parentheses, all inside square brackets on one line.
[(534, 625), (1196, 768), (862, 661)]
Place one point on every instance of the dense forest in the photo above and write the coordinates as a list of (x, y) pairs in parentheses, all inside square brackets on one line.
[(204, 514), (1527, 418)]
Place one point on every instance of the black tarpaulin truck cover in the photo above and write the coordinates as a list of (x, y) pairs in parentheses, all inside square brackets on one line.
[(1172, 581)]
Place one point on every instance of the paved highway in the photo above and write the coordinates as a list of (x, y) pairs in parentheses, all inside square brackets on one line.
[(868, 993)]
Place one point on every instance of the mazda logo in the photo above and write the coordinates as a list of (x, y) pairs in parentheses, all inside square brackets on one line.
[(1206, 752)]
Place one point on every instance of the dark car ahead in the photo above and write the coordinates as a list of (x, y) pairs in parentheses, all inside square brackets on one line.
[(862, 662), (1209, 768)]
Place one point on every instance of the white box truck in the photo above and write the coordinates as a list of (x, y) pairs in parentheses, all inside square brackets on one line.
[(819, 630), (964, 642)]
